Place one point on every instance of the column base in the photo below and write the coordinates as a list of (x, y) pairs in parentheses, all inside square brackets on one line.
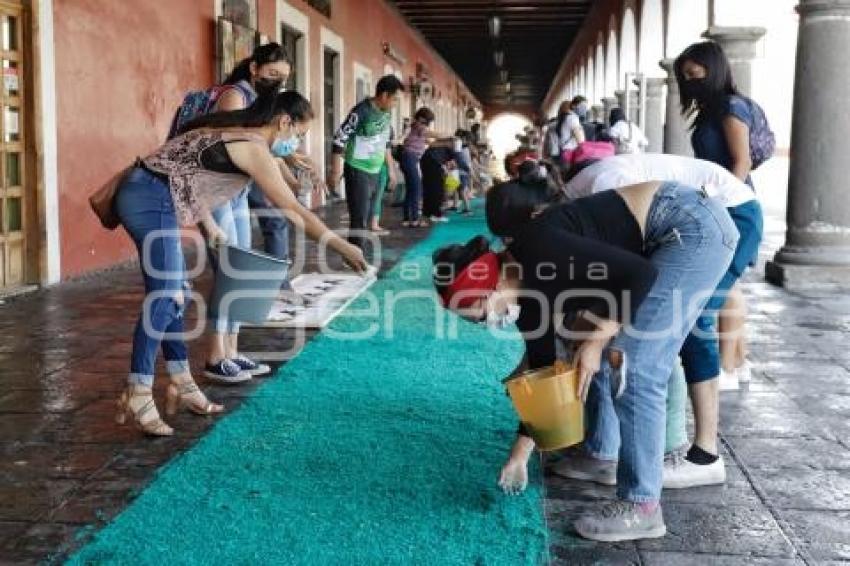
[(801, 277)]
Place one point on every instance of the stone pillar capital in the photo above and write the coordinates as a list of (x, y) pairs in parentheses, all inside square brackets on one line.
[(655, 87), (826, 7), (737, 42)]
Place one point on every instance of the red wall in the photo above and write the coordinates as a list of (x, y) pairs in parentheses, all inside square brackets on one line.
[(123, 67)]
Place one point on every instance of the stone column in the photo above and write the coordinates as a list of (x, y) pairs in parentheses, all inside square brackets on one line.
[(816, 254), (654, 123), (634, 104), (609, 103), (596, 113), (739, 43), (677, 139)]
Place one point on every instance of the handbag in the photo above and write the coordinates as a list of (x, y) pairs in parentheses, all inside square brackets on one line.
[(591, 150), (102, 200)]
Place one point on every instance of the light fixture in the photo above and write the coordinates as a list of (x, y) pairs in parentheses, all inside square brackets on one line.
[(499, 57), (494, 24), (508, 87), (503, 75)]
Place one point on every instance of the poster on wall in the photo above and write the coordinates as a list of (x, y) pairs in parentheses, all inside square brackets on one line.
[(244, 41), (224, 48), (241, 12)]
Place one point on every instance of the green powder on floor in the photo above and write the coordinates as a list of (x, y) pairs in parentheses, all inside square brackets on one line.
[(382, 450)]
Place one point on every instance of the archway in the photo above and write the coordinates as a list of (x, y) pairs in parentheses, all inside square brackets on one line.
[(502, 131), (612, 62), (686, 20), (599, 87), (628, 46), (651, 48)]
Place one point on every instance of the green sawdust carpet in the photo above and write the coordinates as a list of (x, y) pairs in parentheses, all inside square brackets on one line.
[(381, 450)]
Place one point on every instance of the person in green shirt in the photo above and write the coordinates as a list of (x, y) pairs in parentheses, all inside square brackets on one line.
[(361, 146)]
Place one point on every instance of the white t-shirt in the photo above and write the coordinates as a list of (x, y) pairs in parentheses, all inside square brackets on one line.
[(630, 169), (568, 139), (628, 135)]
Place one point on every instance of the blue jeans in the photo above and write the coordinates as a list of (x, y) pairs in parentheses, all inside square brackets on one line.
[(144, 205), (701, 350), (233, 217), (273, 225), (690, 238), (412, 183)]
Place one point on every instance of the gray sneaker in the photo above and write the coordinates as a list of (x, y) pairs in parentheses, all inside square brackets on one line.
[(585, 468), (621, 520)]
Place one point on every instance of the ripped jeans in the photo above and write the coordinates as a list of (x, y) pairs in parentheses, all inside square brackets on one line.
[(690, 238), (146, 210)]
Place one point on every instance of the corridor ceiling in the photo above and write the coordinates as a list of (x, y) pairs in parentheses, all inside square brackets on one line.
[(534, 38)]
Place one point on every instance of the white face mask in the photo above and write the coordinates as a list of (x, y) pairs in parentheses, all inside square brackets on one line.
[(502, 320)]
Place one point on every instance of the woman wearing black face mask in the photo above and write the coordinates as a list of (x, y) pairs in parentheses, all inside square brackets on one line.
[(264, 72), (724, 120), (722, 116)]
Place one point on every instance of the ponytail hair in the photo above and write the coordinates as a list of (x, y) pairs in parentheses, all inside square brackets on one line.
[(268, 107), (262, 55)]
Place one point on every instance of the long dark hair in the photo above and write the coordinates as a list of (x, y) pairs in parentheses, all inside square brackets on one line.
[(268, 107), (262, 55), (512, 204), (616, 115), (719, 83)]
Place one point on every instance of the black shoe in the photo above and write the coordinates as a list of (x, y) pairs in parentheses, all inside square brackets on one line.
[(226, 372), (250, 366)]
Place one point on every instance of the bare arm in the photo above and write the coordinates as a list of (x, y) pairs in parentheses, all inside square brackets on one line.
[(288, 177), (257, 162), (738, 140), (578, 134), (232, 99)]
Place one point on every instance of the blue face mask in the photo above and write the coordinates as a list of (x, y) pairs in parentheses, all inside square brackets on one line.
[(284, 148)]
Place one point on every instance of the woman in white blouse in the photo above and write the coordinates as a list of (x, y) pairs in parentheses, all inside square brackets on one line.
[(627, 137)]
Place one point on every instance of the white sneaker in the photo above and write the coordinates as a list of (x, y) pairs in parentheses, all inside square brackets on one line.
[(438, 219), (729, 380), (680, 473), (745, 372)]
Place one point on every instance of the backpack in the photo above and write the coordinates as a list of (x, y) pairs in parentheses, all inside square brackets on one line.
[(762, 139), (197, 103)]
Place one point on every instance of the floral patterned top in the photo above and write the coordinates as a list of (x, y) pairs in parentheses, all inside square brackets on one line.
[(195, 189)]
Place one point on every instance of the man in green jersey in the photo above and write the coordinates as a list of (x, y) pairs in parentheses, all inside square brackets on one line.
[(361, 146)]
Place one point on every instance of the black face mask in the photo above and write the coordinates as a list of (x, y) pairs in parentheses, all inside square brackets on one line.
[(268, 85), (696, 89)]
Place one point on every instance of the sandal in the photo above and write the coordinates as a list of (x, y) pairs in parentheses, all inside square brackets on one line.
[(145, 416), (187, 394)]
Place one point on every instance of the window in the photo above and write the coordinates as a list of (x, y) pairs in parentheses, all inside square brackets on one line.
[(241, 12), (290, 39)]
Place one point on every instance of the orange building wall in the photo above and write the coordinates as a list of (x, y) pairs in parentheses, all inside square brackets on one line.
[(123, 67)]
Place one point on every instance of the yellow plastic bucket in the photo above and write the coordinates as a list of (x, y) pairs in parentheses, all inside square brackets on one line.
[(548, 405)]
